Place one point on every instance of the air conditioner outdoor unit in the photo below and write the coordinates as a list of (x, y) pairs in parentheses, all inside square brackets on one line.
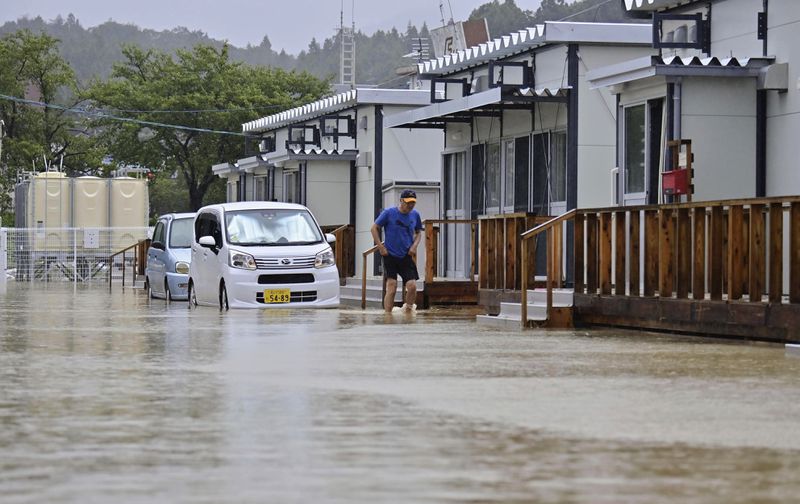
[(479, 83), (364, 159)]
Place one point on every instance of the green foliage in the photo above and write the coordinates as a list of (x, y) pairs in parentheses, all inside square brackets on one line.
[(502, 18), (30, 65), (205, 90)]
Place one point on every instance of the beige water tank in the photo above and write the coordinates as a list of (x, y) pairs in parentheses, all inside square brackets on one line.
[(50, 210), (89, 202), (128, 209)]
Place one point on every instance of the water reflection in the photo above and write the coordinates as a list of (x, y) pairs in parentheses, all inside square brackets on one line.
[(112, 396)]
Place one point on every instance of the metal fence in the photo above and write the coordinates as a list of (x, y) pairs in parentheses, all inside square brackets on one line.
[(67, 254)]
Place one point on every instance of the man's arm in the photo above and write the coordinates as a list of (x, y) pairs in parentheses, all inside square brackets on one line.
[(376, 238), (413, 250)]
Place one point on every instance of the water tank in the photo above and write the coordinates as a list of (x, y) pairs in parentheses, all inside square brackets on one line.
[(128, 208), (50, 210), (90, 202)]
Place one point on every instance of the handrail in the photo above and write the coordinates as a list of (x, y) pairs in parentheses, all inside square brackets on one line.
[(531, 233), (340, 228), (697, 204), (364, 275), (137, 245)]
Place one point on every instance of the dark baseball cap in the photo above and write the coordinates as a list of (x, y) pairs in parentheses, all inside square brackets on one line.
[(408, 196)]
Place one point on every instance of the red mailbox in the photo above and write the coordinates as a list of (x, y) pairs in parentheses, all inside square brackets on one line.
[(675, 182)]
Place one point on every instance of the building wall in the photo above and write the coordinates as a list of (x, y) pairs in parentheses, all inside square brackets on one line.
[(597, 135), (328, 191), (734, 33), (783, 109), (719, 115), (365, 176)]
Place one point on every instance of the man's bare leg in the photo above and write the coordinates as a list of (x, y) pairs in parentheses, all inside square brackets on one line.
[(391, 290)]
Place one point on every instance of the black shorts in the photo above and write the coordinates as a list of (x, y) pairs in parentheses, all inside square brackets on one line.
[(405, 267)]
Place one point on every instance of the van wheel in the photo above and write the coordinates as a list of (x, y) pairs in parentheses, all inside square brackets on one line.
[(167, 293), (223, 298), (192, 296)]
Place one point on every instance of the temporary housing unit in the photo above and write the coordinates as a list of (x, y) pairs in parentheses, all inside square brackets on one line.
[(335, 157), (524, 134), (719, 85)]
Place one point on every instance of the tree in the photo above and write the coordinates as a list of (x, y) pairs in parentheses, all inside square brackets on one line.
[(30, 66), (502, 18), (200, 90)]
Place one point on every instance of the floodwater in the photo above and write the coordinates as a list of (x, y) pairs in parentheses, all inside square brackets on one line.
[(114, 398)]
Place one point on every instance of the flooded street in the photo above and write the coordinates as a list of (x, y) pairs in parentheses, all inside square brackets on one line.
[(115, 398)]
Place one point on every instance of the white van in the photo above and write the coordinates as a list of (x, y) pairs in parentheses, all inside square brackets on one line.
[(261, 254)]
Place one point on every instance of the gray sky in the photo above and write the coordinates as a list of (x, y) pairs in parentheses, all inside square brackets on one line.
[(290, 24)]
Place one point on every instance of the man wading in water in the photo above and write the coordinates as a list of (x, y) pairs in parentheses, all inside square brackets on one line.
[(402, 227)]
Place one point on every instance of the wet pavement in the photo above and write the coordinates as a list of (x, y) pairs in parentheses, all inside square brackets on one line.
[(114, 398)]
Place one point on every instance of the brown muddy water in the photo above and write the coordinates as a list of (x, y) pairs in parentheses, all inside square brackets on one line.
[(114, 398)]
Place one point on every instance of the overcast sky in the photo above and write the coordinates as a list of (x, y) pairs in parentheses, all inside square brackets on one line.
[(290, 24)]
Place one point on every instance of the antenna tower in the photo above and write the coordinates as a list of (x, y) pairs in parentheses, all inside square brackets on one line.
[(347, 61)]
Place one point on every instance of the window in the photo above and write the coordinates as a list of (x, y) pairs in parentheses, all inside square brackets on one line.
[(271, 227), (207, 224), (158, 233), (493, 178), (508, 174), (260, 189), (558, 155), (291, 186), (180, 233), (233, 190), (635, 149), (549, 170)]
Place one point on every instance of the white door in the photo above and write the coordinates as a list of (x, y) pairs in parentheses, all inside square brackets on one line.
[(456, 236)]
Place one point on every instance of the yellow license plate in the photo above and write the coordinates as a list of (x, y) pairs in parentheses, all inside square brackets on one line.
[(277, 295)]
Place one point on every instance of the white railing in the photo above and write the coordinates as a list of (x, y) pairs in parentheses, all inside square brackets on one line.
[(67, 254)]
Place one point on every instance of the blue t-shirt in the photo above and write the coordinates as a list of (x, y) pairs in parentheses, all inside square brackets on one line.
[(398, 230)]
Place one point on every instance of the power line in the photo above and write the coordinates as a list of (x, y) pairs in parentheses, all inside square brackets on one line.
[(104, 115)]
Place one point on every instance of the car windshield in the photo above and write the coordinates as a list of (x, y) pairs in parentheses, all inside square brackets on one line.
[(271, 227), (180, 233)]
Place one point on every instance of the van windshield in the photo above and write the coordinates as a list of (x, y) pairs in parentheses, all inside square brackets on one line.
[(180, 234), (271, 227)]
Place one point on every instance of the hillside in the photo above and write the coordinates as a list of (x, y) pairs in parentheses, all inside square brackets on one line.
[(92, 51)]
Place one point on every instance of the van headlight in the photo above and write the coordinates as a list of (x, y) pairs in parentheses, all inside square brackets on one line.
[(182, 268), (241, 260), (324, 259)]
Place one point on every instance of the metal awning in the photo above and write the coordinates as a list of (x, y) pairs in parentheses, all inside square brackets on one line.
[(486, 103), (223, 169), (251, 164), (675, 66), (311, 155)]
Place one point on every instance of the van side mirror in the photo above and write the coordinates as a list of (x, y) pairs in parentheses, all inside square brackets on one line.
[(157, 245), (330, 238), (207, 241)]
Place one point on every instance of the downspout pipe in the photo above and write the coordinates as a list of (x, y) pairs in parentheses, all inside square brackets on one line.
[(572, 155), (761, 122), (378, 171)]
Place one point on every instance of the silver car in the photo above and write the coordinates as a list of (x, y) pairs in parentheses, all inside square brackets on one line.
[(167, 272)]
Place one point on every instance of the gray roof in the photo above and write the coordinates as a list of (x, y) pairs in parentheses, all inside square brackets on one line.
[(652, 5), (551, 32), (342, 101), (649, 66)]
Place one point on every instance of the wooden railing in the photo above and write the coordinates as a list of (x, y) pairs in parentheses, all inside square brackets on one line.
[(364, 255), (500, 246), (432, 232), (716, 249), (553, 228), (139, 260), (344, 250)]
